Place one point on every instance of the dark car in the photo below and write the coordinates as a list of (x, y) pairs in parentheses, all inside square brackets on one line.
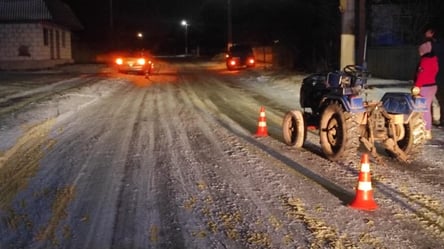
[(135, 62), (240, 56)]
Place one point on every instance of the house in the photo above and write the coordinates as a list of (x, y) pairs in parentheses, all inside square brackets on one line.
[(35, 34)]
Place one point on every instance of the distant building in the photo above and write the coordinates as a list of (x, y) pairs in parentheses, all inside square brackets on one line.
[(395, 30), (35, 34)]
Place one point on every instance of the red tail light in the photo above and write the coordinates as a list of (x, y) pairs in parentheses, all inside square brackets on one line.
[(141, 61)]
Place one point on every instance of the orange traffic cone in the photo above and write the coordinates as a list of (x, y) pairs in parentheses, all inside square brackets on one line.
[(262, 130), (364, 194)]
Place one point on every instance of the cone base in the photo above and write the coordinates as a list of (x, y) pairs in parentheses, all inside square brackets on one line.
[(367, 205), (261, 133)]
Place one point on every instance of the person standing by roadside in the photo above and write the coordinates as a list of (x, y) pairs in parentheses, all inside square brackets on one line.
[(425, 81), (438, 49), (432, 44)]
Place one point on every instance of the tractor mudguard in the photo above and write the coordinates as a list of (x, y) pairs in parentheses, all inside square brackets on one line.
[(353, 104), (403, 103)]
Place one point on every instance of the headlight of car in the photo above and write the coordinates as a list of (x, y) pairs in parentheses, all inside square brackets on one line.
[(119, 61)]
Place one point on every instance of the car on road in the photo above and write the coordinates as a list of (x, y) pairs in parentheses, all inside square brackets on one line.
[(240, 56), (135, 62)]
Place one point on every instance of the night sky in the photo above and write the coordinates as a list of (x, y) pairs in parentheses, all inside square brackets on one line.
[(158, 20), (255, 21), (309, 28)]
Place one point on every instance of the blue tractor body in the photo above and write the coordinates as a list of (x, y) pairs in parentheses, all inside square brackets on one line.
[(342, 116)]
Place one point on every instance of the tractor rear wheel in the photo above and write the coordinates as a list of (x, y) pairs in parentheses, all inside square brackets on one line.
[(339, 133), (294, 130), (414, 137)]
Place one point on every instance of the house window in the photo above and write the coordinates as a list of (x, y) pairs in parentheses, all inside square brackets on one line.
[(45, 37), (23, 50)]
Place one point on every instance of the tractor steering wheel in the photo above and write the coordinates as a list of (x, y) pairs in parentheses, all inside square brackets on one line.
[(353, 69)]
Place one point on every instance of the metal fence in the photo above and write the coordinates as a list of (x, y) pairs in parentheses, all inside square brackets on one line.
[(393, 62)]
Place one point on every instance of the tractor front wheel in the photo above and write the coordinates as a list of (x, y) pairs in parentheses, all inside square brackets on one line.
[(339, 133), (294, 130)]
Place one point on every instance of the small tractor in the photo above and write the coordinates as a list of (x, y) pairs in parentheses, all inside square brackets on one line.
[(333, 104)]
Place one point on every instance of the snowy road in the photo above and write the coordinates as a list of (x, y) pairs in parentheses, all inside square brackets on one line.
[(119, 161)]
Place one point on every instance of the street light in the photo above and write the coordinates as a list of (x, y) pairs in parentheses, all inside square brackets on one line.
[(185, 23), (111, 24), (229, 25)]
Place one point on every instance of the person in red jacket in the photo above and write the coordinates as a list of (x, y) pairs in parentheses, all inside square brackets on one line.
[(431, 43), (426, 82)]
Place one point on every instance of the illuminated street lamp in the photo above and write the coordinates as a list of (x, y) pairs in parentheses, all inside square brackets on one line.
[(185, 23), (140, 35)]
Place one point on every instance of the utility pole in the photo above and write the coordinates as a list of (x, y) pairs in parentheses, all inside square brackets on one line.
[(185, 24), (347, 8), (362, 34), (229, 24), (111, 23)]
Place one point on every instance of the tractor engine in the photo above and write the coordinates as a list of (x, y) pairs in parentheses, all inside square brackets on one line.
[(378, 124)]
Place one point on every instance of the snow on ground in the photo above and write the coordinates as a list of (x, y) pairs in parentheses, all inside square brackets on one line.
[(284, 86), (255, 170), (36, 89)]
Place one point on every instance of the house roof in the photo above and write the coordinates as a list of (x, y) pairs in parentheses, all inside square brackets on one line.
[(38, 10)]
